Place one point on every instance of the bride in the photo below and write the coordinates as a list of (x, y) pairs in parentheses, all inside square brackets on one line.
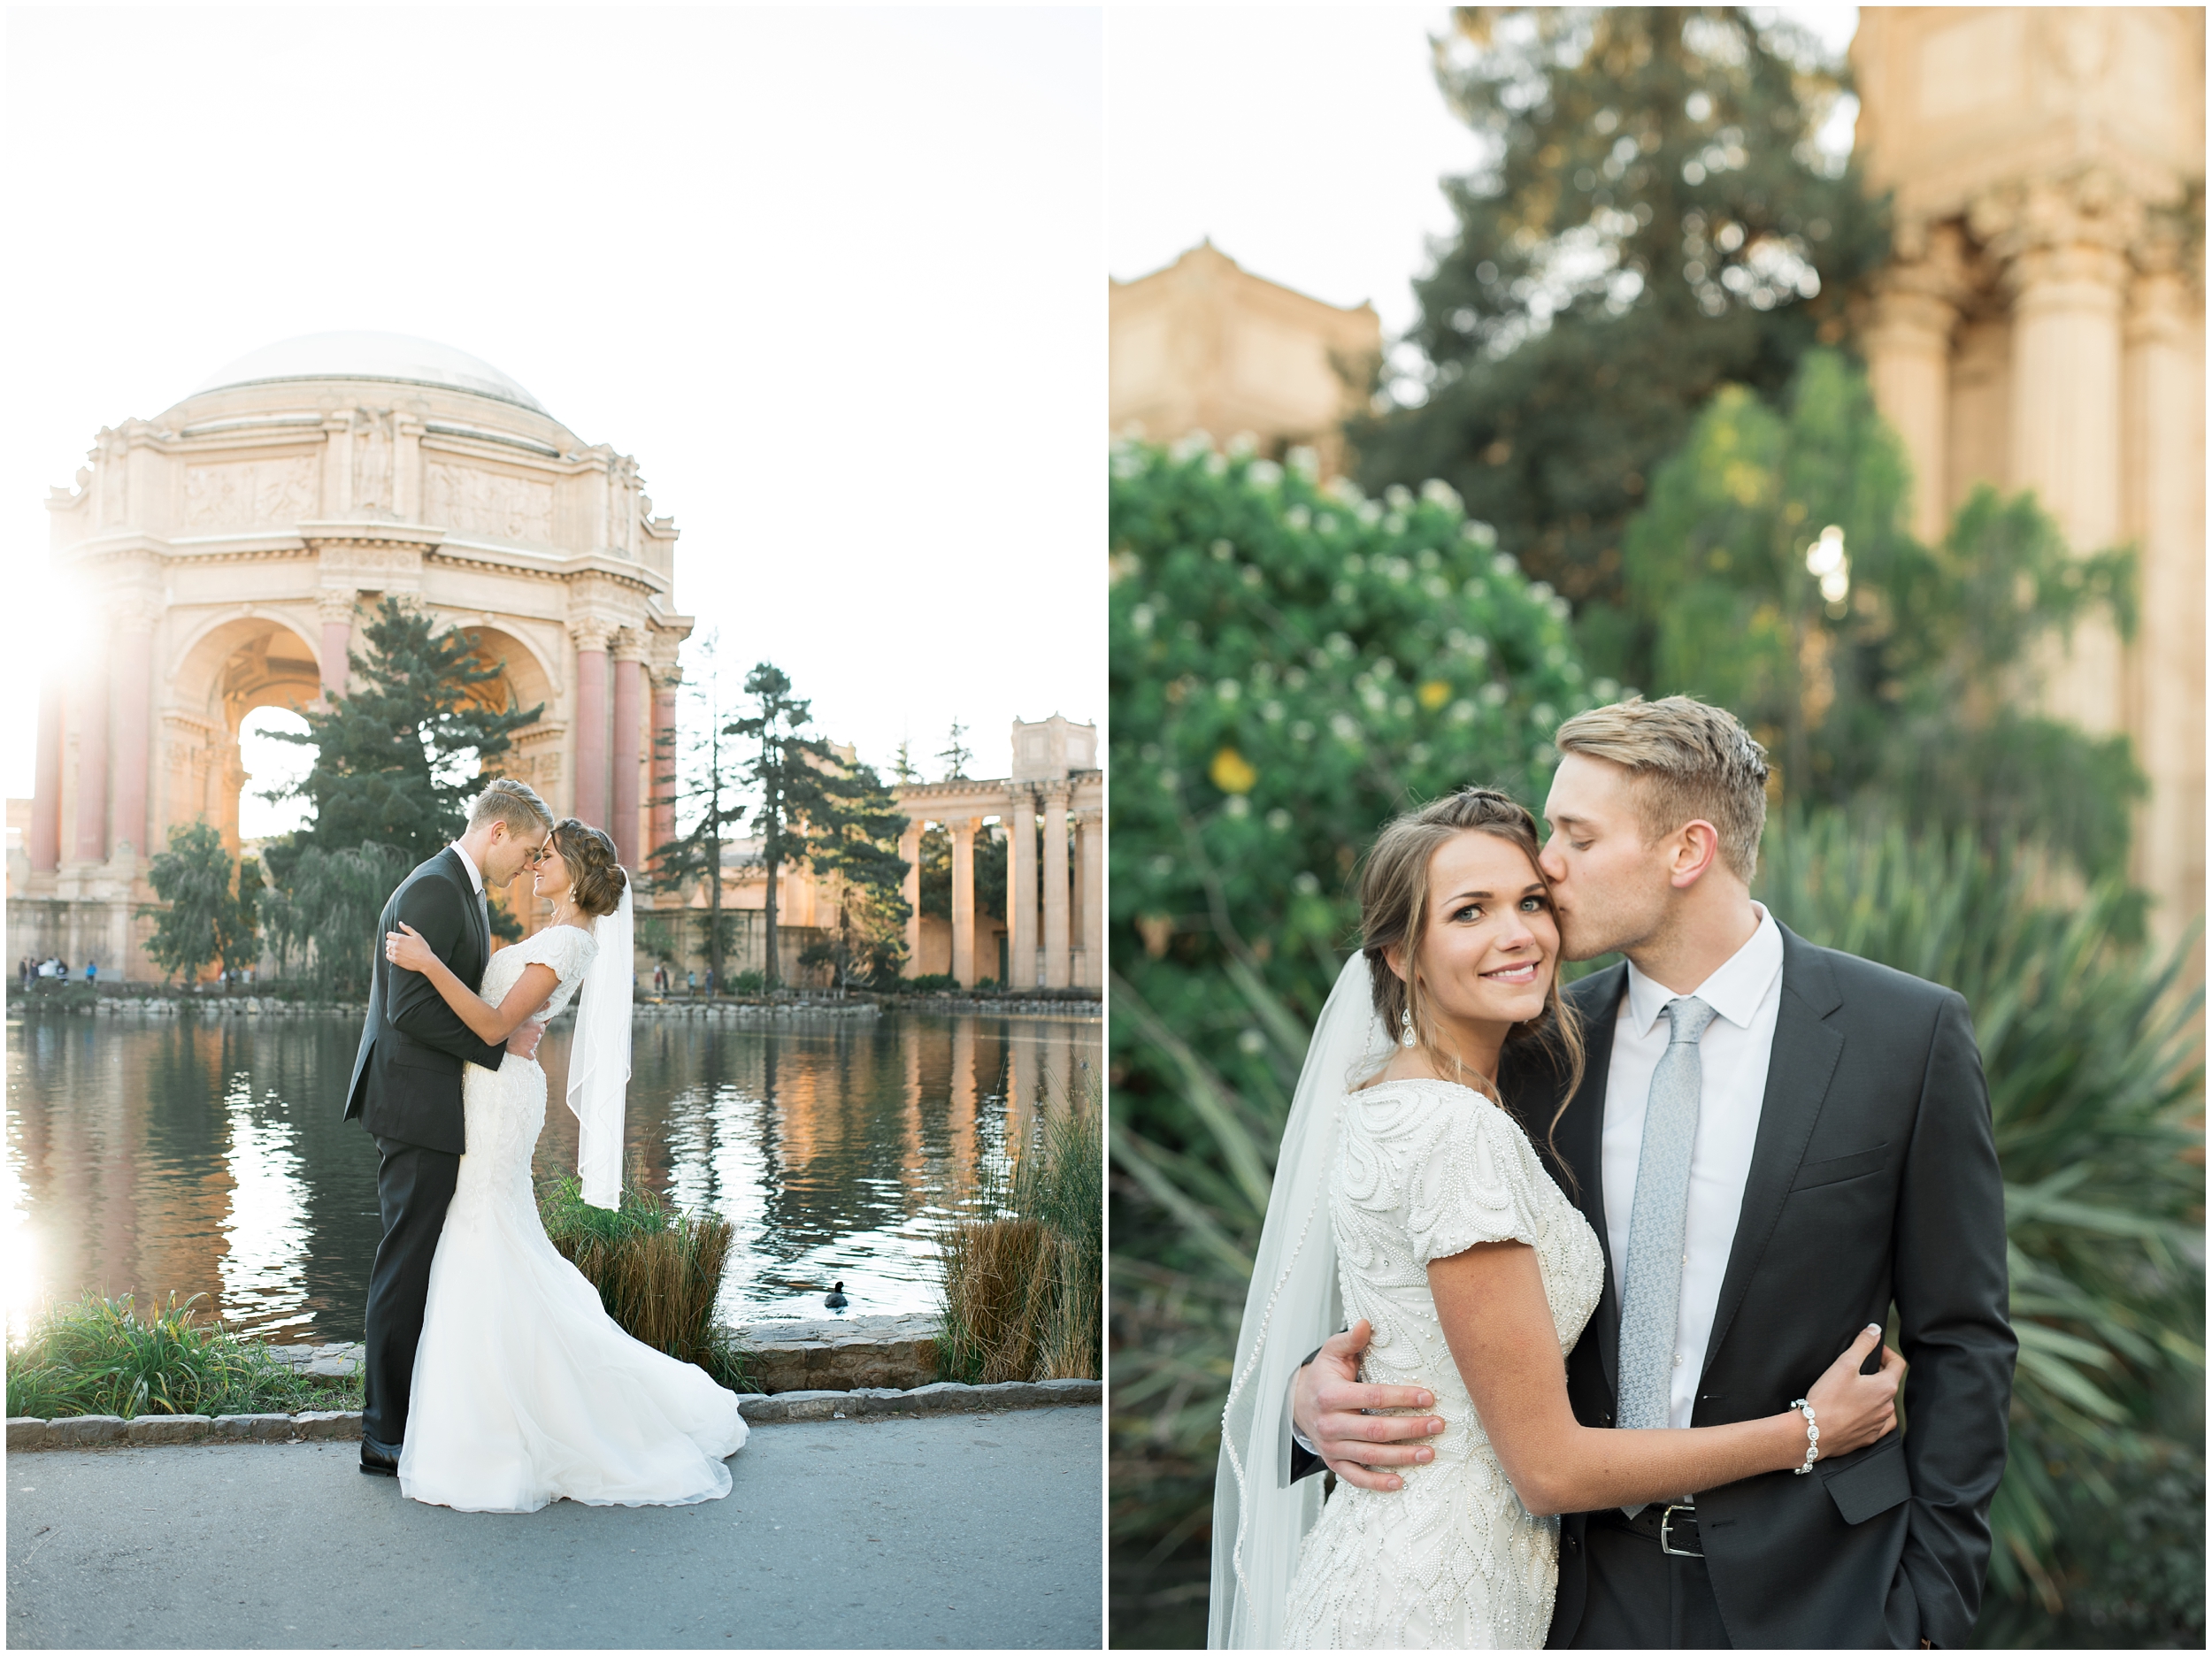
[(1401, 1178), (526, 1391)]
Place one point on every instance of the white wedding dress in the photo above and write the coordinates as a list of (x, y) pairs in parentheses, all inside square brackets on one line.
[(1424, 1169), (526, 1391)]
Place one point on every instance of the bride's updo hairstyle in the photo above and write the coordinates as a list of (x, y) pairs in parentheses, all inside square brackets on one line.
[(1393, 903), (595, 877)]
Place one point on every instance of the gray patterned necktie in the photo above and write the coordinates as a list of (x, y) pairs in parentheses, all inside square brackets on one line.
[(1651, 1290)]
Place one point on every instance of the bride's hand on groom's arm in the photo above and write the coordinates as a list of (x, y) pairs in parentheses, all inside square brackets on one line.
[(1327, 1400)]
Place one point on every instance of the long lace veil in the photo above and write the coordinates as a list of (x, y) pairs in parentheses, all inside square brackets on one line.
[(599, 1060), (1259, 1516)]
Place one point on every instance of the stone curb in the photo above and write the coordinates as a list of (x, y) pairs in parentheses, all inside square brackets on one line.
[(79, 1431)]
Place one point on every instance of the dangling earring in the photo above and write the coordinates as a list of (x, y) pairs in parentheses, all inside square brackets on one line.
[(1405, 1026)]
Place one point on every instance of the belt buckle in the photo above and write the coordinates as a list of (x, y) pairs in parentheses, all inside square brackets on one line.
[(1666, 1518)]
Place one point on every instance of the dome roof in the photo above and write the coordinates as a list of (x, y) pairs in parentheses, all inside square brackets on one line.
[(366, 356)]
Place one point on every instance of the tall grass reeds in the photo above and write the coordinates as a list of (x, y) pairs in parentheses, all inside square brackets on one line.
[(102, 1356), (658, 1271), (1023, 1269)]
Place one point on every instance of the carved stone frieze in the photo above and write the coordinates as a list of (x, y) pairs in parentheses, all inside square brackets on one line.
[(479, 502), (244, 494)]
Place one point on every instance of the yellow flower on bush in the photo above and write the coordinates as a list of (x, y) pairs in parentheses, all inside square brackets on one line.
[(1231, 772), (1434, 693)]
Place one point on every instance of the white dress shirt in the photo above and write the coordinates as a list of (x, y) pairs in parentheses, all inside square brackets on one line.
[(476, 875), (1746, 994)]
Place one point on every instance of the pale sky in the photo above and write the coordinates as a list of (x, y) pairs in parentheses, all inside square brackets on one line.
[(831, 276), (1307, 141)]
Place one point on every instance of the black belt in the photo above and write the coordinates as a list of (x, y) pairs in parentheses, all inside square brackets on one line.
[(1673, 1527)]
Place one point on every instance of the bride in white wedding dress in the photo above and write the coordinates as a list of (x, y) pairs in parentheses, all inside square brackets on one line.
[(526, 1391), (1407, 1196)]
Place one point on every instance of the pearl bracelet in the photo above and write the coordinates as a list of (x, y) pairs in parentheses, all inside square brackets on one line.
[(1812, 1437)]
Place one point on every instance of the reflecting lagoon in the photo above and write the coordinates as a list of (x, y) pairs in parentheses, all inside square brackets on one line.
[(208, 1155)]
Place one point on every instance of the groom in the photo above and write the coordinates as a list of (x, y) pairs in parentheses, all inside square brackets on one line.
[(406, 1085), (1842, 1161)]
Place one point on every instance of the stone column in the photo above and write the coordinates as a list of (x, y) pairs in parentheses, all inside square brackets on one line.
[(88, 718), (629, 737), (46, 789), (587, 796), (2067, 283), (1091, 880), (662, 777), (1021, 891), (2163, 393), (963, 900), (335, 608), (1055, 884), (133, 722), (1908, 366), (911, 888)]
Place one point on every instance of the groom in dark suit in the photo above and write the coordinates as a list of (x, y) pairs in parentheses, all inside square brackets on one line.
[(406, 1085), (1843, 1162)]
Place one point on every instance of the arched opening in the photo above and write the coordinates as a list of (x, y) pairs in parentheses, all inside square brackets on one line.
[(271, 765)]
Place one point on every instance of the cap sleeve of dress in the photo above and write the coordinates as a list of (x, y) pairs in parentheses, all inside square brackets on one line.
[(1473, 1186), (572, 953)]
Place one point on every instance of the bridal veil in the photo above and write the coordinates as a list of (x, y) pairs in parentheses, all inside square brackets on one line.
[(599, 1062), (1260, 1517)]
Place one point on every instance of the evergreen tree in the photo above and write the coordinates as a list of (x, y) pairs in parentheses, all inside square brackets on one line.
[(398, 759), (903, 764), (702, 776), (1652, 221), (856, 832), (954, 754), (810, 803), (205, 918)]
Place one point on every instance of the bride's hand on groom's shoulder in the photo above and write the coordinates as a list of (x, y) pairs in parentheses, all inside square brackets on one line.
[(406, 950), (1327, 1404)]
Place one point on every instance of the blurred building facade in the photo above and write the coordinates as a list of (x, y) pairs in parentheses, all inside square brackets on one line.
[(226, 552), (2041, 326), (1204, 345)]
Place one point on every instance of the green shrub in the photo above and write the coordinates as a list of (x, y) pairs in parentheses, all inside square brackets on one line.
[(102, 1356), (930, 983), (658, 1271), (749, 983)]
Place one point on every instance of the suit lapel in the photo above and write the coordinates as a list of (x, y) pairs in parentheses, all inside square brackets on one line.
[(1582, 1144), (475, 908), (1803, 1062)]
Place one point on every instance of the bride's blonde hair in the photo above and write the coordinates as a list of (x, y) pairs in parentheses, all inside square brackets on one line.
[(1394, 902)]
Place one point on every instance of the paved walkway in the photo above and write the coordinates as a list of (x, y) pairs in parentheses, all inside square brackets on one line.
[(945, 1531)]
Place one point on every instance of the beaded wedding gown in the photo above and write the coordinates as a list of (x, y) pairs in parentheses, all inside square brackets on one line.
[(1426, 1170), (526, 1391)]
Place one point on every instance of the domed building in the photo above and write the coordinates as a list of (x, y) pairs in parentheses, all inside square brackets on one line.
[(231, 547)]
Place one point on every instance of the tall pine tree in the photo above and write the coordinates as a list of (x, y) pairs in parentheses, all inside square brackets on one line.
[(812, 805), (1653, 221), (398, 758)]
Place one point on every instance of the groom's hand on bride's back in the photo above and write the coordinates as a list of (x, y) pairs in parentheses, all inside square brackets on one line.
[(1326, 1404), (524, 1042)]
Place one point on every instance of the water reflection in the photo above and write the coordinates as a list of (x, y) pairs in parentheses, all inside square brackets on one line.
[(209, 1157)]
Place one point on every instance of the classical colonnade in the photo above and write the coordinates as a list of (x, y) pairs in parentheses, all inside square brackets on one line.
[(1054, 936)]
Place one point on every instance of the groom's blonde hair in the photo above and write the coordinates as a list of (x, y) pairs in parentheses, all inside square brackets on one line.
[(1689, 761), (515, 803)]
